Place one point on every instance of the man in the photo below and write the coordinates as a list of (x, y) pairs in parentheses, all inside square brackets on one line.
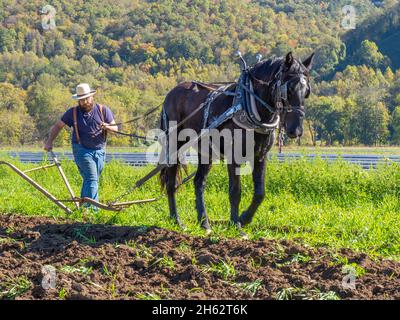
[(90, 122)]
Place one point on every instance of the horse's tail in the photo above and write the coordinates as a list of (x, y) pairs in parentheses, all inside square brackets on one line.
[(179, 175), (163, 178)]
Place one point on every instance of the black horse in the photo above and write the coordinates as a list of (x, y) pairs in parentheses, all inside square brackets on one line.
[(281, 83)]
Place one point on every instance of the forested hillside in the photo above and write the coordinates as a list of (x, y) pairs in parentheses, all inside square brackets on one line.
[(133, 52), (383, 29)]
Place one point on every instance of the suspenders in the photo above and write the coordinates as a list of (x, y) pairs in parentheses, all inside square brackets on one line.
[(75, 116), (75, 111)]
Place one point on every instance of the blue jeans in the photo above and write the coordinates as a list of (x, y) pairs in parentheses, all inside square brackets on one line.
[(90, 163)]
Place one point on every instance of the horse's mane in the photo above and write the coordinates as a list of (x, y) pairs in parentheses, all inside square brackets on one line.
[(265, 70)]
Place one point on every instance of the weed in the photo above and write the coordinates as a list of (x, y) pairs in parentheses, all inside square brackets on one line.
[(298, 257), (6, 240), (10, 230), (79, 267), (251, 287), (354, 268), (215, 239), (165, 261), (256, 262), (147, 296), (62, 294), (184, 248), (142, 251), (224, 269), (278, 254), (163, 291), (338, 259), (80, 234), (304, 294), (106, 272), (12, 288), (112, 287)]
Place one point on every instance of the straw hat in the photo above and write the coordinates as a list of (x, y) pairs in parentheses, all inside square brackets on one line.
[(83, 91)]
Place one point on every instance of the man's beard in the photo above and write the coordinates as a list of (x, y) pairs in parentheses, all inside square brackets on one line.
[(87, 106)]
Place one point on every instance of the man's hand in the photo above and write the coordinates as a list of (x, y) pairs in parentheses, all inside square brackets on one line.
[(109, 126), (48, 146)]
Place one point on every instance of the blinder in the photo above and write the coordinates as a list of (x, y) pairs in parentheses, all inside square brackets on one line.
[(281, 96)]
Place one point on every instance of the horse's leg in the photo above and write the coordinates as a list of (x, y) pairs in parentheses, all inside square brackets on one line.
[(170, 186), (259, 192), (234, 192), (200, 185)]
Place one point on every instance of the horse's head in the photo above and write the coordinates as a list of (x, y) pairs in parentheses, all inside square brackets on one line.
[(284, 83), (294, 89)]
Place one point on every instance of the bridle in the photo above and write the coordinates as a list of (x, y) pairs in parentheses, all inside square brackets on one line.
[(280, 95), (280, 89)]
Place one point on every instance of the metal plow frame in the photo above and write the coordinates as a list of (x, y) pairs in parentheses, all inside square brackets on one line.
[(77, 201)]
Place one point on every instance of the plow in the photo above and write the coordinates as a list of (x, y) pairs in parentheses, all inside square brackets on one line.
[(114, 206)]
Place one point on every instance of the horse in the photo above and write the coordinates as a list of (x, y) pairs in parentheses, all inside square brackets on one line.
[(267, 77)]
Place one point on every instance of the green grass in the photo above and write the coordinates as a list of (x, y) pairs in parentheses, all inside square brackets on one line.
[(147, 296), (62, 294), (251, 287), (80, 267), (224, 269), (336, 205), (303, 294), (164, 261), (12, 288)]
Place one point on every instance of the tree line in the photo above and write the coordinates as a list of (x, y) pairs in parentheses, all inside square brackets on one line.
[(134, 52)]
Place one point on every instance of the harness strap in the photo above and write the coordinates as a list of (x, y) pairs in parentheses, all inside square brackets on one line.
[(74, 112), (210, 99)]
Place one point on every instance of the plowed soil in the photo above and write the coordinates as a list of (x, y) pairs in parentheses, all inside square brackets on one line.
[(116, 262)]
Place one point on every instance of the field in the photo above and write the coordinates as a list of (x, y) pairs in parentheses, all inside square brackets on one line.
[(318, 221)]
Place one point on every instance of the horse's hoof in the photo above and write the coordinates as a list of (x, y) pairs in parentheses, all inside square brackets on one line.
[(244, 220), (208, 232), (182, 227), (244, 236), (180, 224), (205, 224)]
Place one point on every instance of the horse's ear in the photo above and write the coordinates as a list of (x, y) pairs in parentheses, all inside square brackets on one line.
[(289, 60), (309, 61)]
